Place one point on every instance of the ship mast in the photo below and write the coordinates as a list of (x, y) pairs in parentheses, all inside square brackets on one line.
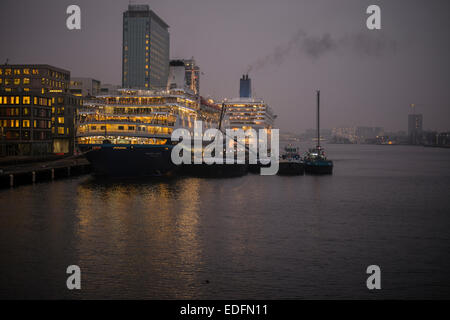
[(222, 113), (318, 119)]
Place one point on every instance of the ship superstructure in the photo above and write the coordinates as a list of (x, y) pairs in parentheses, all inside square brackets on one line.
[(130, 133), (247, 112)]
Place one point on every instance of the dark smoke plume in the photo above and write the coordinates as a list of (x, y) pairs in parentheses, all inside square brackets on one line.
[(314, 47)]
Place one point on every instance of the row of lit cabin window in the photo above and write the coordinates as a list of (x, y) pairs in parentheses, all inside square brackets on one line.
[(146, 100), (123, 140), (159, 130)]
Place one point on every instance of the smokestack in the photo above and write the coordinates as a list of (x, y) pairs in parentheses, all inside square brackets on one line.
[(245, 89)]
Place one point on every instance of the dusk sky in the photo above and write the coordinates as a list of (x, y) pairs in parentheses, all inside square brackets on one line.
[(367, 77)]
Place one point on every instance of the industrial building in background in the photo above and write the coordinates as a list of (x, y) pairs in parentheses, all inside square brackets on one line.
[(88, 87), (37, 112), (84, 87), (145, 49), (415, 126)]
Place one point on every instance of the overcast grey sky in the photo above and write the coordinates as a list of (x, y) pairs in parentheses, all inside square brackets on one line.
[(294, 47)]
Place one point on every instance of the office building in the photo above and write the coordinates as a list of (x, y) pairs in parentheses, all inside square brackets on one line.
[(145, 49), (84, 87), (109, 89)]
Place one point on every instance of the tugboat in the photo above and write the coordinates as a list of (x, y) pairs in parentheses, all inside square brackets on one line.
[(290, 162), (315, 160)]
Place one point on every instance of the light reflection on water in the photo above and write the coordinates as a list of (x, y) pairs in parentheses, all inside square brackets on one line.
[(250, 237)]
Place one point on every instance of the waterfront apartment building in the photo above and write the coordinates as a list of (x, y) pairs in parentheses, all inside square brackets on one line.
[(145, 49), (37, 114), (84, 87)]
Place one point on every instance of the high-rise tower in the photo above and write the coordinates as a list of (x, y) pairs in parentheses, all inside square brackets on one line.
[(145, 49)]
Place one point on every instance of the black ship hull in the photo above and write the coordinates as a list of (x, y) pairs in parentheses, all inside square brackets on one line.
[(126, 160), (129, 160), (319, 167), (291, 168)]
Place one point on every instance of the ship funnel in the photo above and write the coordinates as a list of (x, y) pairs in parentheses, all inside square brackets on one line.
[(177, 77), (245, 88)]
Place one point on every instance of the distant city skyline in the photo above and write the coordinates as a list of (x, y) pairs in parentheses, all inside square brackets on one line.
[(367, 78)]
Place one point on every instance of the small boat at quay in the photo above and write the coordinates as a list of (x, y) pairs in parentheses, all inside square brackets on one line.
[(315, 160), (317, 163), (290, 162)]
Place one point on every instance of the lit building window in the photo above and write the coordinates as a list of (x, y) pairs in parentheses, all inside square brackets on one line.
[(61, 120), (26, 71), (26, 100), (17, 81), (60, 130), (25, 123), (16, 71)]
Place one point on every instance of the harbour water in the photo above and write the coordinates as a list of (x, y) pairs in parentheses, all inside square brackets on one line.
[(251, 237)]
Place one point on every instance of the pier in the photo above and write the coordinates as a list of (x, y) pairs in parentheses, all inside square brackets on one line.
[(12, 175)]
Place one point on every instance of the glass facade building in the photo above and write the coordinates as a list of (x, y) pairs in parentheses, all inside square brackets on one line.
[(145, 49)]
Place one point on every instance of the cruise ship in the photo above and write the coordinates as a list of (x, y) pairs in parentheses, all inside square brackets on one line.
[(249, 112), (129, 133)]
